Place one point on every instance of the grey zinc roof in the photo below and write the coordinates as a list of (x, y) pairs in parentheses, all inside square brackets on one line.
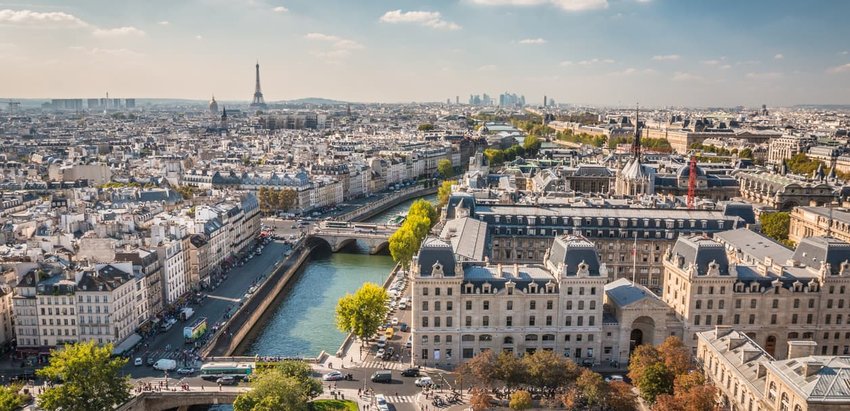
[(830, 383), (435, 250), (814, 251), (701, 251), (468, 236), (572, 251), (755, 245), (623, 292)]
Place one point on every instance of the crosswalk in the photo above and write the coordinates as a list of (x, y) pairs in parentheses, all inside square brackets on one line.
[(384, 365), (395, 399)]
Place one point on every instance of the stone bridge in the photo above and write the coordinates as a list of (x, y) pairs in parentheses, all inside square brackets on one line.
[(338, 234), (181, 400)]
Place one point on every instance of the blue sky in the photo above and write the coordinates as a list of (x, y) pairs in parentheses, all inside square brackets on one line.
[(656, 52)]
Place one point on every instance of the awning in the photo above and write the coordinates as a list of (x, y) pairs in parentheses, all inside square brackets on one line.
[(127, 344)]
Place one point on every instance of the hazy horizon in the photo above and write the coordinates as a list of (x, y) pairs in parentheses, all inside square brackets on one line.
[(595, 52)]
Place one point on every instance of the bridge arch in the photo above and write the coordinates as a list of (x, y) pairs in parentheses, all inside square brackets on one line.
[(383, 246), (313, 242)]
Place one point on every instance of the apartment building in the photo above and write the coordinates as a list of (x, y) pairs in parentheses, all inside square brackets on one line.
[(106, 302), (819, 221), (776, 300), (170, 254)]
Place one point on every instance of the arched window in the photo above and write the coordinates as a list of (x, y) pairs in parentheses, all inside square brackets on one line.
[(785, 404), (424, 339), (508, 340), (548, 337), (771, 392), (531, 337), (793, 335), (485, 337), (467, 337)]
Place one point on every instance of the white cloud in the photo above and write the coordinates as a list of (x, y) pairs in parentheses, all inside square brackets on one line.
[(532, 41), (488, 67), (595, 61), (199, 37), (55, 19), (764, 76), (778, 56), (164, 23), (118, 32), (682, 76), (844, 68), (711, 62), (666, 57), (843, 53), (566, 63), (725, 67), (280, 9), (122, 52), (432, 19), (566, 5), (631, 71), (337, 42)]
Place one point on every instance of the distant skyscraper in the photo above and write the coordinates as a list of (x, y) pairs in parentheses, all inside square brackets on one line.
[(544, 101), (258, 101)]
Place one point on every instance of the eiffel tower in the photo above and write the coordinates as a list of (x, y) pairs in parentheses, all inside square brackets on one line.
[(258, 101)]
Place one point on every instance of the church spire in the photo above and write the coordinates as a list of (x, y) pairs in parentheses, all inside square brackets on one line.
[(636, 142)]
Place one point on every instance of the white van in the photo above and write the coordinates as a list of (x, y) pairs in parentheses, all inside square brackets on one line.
[(165, 364)]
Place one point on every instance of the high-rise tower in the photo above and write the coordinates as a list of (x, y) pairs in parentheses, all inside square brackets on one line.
[(258, 101)]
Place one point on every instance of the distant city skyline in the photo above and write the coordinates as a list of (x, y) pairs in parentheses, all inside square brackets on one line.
[(602, 52)]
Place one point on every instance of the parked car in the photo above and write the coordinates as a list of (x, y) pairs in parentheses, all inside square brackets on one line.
[(380, 353), (384, 376), (228, 380), (403, 327), (614, 378), (410, 372), (333, 376), (186, 371), (388, 354), (409, 343), (138, 361), (424, 382), (394, 321), (381, 401)]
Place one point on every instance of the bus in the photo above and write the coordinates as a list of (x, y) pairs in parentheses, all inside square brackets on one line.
[(212, 371), (196, 330)]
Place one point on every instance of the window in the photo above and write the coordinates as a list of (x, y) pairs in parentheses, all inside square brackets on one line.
[(696, 320), (532, 305), (436, 321), (424, 305), (775, 303), (485, 337), (424, 339), (568, 321), (698, 304), (448, 322), (773, 318), (509, 321), (548, 320), (752, 319), (753, 303), (549, 305), (531, 320), (485, 321), (468, 305), (448, 305), (467, 321), (425, 291), (436, 306), (796, 303), (510, 305), (449, 291), (738, 303), (736, 319), (591, 320), (424, 354), (437, 291), (424, 321), (719, 320), (485, 305)]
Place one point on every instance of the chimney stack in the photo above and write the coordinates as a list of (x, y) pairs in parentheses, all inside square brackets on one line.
[(811, 368), (798, 349)]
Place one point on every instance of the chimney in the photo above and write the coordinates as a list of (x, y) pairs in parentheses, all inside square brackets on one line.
[(516, 270), (811, 368), (798, 349), (499, 274)]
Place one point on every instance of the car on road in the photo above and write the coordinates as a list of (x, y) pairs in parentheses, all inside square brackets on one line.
[(402, 305), (614, 378), (380, 353), (383, 376), (138, 361), (410, 372), (389, 333), (227, 380), (186, 371), (409, 341), (388, 354), (333, 376), (424, 382), (382, 342), (403, 327), (381, 401), (394, 321)]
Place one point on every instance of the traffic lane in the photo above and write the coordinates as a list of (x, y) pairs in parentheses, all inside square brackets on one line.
[(362, 379), (224, 297)]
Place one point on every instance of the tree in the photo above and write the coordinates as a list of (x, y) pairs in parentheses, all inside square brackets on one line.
[(403, 245), (91, 379), (545, 369), (425, 127), (444, 192), (11, 398), (676, 356), (620, 397), (510, 369), (363, 312), (444, 167), (302, 373), (592, 387), (494, 156), (273, 390), (520, 400), (481, 367), (746, 153), (642, 357), (480, 400), (655, 380), (286, 199), (775, 225), (531, 144), (425, 209)]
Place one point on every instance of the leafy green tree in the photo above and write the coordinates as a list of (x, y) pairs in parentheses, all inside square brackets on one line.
[(520, 400), (592, 387), (620, 397), (510, 369), (273, 390), (677, 357), (425, 127), (403, 245), (91, 379), (302, 373), (775, 225), (425, 209), (494, 156), (655, 380), (532, 144), (548, 369), (746, 153), (444, 192), (11, 398), (444, 167), (481, 367), (363, 312)]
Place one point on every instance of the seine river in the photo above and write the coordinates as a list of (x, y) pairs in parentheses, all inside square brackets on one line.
[(303, 323)]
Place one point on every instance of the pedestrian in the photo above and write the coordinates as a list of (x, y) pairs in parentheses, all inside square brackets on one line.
[(219, 386)]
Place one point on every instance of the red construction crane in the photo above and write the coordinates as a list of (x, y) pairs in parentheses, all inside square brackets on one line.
[(692, 182)]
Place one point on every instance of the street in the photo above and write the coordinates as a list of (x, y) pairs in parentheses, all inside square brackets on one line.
[(225, 297)]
